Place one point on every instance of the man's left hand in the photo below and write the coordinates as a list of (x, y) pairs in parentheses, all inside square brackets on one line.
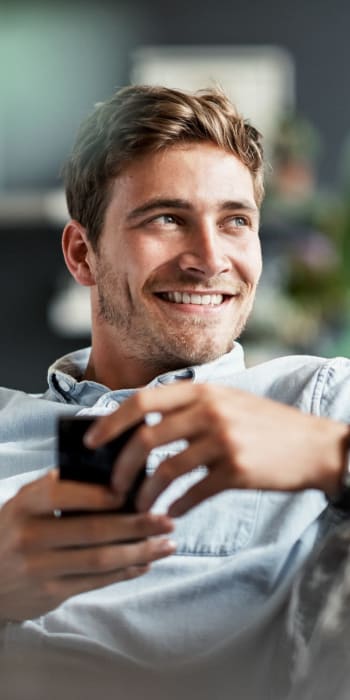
[(245, 441)]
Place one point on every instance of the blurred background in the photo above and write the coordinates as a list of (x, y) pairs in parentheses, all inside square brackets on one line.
[(286, 67)]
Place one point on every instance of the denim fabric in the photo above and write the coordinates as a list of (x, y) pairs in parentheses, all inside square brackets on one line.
[(220, 608)]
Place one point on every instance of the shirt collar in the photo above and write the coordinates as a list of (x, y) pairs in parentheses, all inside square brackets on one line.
[(65, 376)]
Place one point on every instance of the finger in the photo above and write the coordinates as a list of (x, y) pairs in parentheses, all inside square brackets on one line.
[(48, 493), (89, 530), (202, 451), (62, 588), (180, 425), (96, 560), (203, 489), (160, 399)]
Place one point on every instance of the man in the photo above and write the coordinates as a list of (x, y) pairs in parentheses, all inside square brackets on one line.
[(164, 191)]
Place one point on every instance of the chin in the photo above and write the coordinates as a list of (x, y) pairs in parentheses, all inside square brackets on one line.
[(185, 354)]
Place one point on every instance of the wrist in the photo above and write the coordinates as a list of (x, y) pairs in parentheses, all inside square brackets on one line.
[(336, 462)]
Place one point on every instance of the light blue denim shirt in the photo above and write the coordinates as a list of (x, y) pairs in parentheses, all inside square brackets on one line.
[(217, 609)]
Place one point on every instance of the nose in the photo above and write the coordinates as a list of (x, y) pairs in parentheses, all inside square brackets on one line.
[(204, 253)]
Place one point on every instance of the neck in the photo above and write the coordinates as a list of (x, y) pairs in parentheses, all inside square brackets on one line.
[(110, 366)]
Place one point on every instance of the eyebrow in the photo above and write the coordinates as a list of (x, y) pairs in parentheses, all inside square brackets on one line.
[(159, 203)]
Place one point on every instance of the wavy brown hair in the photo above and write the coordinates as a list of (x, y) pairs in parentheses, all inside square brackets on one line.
[(142, 119)]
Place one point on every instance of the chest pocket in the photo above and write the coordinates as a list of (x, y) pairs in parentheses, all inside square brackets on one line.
[(218, 527)]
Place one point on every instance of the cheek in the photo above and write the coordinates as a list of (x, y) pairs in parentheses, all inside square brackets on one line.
[(148, 259), (257, 267), (139, 261), (249, 262)]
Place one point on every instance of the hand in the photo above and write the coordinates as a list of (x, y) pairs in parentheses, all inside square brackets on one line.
[(244, 440), (45, 559)]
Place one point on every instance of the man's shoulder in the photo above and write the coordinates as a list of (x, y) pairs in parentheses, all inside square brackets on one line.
[(22, 412), (9, 397), (302, 368), (300, 380), (291, 364), (28, 428)]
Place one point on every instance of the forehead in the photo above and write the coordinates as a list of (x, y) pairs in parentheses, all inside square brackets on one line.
[(195, 172)]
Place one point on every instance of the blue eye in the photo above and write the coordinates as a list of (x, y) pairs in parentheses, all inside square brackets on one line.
[(167, 218), (240, 220)]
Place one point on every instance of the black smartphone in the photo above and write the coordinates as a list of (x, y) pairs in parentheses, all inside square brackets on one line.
[(78, 463)]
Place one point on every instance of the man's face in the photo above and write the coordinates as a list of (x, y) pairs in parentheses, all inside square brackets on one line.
[(179, 256)]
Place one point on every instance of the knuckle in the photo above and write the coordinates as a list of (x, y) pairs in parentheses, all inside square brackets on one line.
[(150, 551), (145, 437), (27, 570), (240, 466), (142, 554), (212, 412), (205, 392), (237, 465), (102, 559), (91, 530), (144, 520), (129, 572), (224, 438), (50, 589), (140, 400), (11, 509), (146, 524), (22, 537), (142, 525), (20, 495), (165, 473), (137, 570), (95, 558), (124, 556), (17, 504)]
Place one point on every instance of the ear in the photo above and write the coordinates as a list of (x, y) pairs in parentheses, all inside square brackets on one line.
[(78, 253)]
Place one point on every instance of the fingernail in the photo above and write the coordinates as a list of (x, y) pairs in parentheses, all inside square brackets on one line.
[(166, 546)]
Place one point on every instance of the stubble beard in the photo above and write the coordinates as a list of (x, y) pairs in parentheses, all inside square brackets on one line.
[(156, 346)]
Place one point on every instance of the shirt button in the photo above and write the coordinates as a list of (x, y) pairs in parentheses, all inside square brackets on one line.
[(166, 380), (64, 385), (113, 404)]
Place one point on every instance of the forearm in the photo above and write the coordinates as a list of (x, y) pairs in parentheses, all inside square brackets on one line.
[(330, 445)]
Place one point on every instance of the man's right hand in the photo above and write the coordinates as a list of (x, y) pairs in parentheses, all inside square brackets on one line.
[(46, 559)]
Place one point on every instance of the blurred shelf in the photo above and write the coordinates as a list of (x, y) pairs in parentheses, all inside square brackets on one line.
[(33, 207)]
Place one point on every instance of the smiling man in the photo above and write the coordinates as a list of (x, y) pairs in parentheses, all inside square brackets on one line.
[(164, 190), (175, 270)]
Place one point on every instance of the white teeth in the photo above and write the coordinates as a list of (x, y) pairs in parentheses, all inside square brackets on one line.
[(200, 299)]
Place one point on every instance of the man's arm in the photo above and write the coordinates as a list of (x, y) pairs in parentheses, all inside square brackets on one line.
[(46, 559), (244, 440)]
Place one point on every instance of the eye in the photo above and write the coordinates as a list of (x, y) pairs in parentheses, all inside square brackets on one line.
[(235, 222), (240, 221), (162, 221), (165, 219)]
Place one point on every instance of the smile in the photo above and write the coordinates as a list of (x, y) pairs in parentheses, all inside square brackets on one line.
[(195, 298)]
